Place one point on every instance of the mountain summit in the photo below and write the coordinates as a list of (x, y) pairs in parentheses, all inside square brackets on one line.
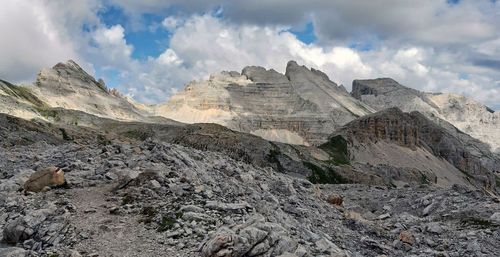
[(469, 116), (301, 106)]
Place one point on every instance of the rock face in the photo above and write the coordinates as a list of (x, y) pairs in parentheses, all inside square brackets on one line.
[(469, 116), (301, 106), (68, 86), (194, 202), (379, 132)]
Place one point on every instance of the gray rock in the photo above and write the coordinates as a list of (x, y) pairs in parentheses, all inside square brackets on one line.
[(232, 207), (495, 218), (13, 252)]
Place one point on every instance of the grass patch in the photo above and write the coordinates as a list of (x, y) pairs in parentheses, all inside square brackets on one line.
[(48, 113), (147, 220), (336, 148), (479, 223), (424, 179), (101, 140), (24, 93), (136, 134), (272, 157), (467, 174), (65, 135), (166, 223), (127, 200), (322, 176), (148, 211)]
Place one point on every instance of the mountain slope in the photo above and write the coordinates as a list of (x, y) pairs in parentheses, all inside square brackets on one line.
[(68, 86), (412, 147), (301, 106), (466, 114), (67, 92)]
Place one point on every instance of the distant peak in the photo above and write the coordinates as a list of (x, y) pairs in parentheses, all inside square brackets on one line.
[(297, 73), (70, 64), (291, 63), (259, 74), (375, 87)]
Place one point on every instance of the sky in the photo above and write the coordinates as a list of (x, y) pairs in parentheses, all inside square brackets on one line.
[(150, 49)]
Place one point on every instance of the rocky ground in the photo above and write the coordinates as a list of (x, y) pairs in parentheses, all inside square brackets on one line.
[(159, 199)]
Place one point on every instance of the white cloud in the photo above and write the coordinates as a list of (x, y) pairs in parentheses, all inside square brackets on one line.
[(169, 57), (206, 44), (30, 39), (171, 23), (112, 48), (425, 45)]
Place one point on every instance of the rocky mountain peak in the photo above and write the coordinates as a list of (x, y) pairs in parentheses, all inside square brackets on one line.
[(259, 74), (68, 65), (467, 115), (297, 73), (68, 76), (375, 87)]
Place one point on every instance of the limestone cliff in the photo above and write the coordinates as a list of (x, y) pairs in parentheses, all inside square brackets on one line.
[(301, 106), (410, 140), (469, 116), (68, 86)]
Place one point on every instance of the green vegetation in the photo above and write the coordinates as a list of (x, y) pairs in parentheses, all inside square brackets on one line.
[(167, 223), (336, 148), (136, 134), (424, 179), (24, 93), (148, 211), (321, 176), (178, 214), (127, 199), (65, 135), (48, 113), (272, 157), (101, 140), (467, 174), (475, 222)]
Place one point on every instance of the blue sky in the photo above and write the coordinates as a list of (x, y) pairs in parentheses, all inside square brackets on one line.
[(151, 49)]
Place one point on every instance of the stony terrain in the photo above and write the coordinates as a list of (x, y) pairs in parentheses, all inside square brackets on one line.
[(336, 179), (161, 199), (410, 141), (469, 116)]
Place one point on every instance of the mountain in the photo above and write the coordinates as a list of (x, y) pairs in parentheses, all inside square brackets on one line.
[(410, 147), (211, 194), (66, 93), (345, 180), (302, 106), (469, 116)]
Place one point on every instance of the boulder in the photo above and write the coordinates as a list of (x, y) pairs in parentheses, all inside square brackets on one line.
[(49, 177), (407, 237), (253, 238)]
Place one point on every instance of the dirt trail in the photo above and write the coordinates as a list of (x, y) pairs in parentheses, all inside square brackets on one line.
[(100, 232)]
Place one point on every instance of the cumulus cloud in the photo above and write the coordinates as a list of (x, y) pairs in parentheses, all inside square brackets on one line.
[(30, 40), (206, 44), (111, 49), (429, 45)]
